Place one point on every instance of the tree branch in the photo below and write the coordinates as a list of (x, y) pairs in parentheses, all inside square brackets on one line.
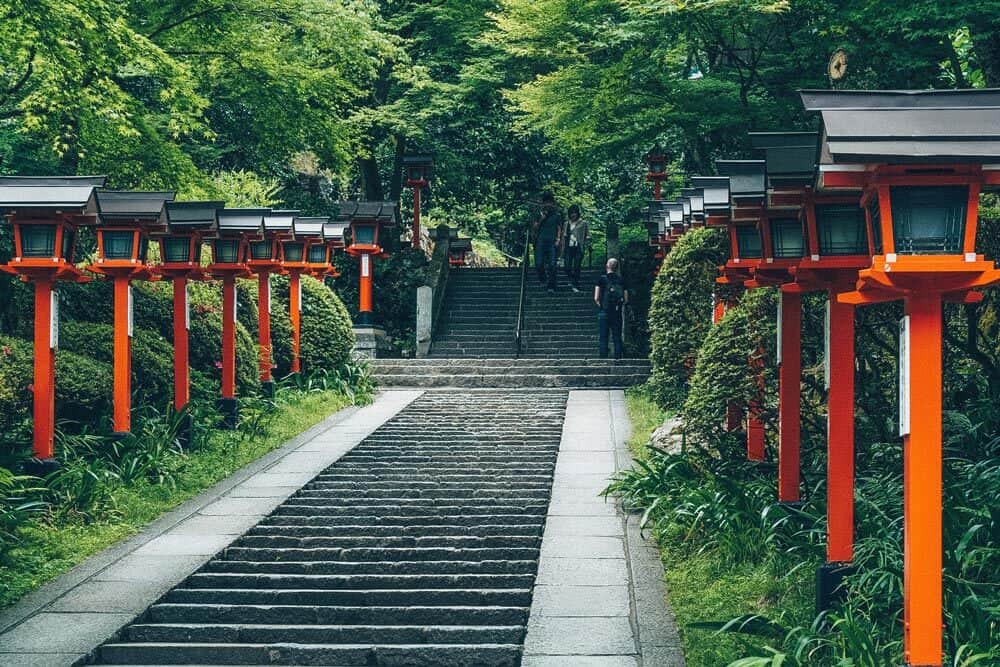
[(19, 84)]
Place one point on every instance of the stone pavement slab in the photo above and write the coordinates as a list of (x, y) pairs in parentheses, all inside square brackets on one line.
[(599, 598), (65, 620)]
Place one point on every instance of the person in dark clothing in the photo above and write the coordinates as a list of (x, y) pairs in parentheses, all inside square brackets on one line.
[(575, 240), (610, 296), (548, 236)]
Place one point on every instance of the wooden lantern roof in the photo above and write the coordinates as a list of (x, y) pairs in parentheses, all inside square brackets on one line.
[(334, 231), (192, 216), (790, 158), (907, 127), (382, 212), (716, 194), (280, 222), (125, 207), (309, 227), (241, 220), (68, 194)]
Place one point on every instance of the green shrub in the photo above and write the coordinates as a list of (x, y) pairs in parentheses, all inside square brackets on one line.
[(83, 385), (326, 337), (723, 371), (680, 313), (152, 357)]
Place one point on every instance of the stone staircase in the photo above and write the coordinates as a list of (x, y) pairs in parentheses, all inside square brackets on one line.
[(474, 345), (419, 547)]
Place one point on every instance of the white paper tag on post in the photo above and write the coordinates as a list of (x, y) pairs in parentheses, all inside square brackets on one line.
[(54, 320), (365, 265), (187, 306), (904, 376), (268, 294), (131, 312)]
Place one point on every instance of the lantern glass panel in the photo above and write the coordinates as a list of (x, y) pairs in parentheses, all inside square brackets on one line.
[(68, 244), (176, 249), (293, 251), (317, 254), (364, 234), (841, 230), (748, 243), (875, 215), (117, 244), (786, 237), (143, 248), (261, 250), (416, 174), (227, 251), (928, 220), (38, 240)]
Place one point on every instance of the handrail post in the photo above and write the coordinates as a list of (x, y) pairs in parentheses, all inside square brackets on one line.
[(520, 305)]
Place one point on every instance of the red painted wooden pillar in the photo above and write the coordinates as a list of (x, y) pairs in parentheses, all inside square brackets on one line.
[(229, 337), (657, 190), (122, 413), (43, 444), (416, 216), (922, 463), (840, 433), (264, 324), (718, 309), (789, 396), (182, 372), (365, 291), (295, 313)]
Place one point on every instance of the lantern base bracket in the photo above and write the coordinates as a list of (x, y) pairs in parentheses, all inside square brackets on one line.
[(830, 589), (41, 467), (229, 408)]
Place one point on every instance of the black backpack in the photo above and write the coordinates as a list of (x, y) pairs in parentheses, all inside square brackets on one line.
[(615, 292)]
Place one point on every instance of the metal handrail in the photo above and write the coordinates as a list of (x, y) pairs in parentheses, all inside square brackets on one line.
[(520, 303)]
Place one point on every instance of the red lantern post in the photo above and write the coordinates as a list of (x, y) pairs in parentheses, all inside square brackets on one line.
[(656, 163), (921, 159), (418, 172), (127, 219), (308, 232), (367, 220), (230, 254), (264, 259), (180, 261), (45, 214)]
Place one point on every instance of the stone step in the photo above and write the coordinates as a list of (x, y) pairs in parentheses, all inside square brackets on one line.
[(399, 574), (292, 614), (448, 597), (374, 532), (512, 381), (319, 542), (335, 655), (326, 634)]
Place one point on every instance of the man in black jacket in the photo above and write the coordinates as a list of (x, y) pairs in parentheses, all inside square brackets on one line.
[(548, 236), (611, 295)]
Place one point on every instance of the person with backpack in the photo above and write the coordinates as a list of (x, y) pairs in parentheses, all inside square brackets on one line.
[(610, 296)]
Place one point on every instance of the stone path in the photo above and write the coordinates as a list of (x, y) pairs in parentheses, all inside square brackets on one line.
[(599, 598), (64, 621), (406, 533)]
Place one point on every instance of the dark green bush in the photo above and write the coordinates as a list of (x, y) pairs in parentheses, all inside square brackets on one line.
[(723, 371), (83, 385), (326, 337), (680, 313), (152, 357)]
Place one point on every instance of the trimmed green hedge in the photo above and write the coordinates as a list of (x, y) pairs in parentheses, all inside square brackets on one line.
[(326, 337), (83, 386), (680, 313)]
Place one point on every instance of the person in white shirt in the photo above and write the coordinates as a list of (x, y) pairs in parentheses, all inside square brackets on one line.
[(574, 241)]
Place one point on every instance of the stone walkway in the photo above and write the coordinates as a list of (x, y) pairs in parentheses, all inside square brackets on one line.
[(598, 599)]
